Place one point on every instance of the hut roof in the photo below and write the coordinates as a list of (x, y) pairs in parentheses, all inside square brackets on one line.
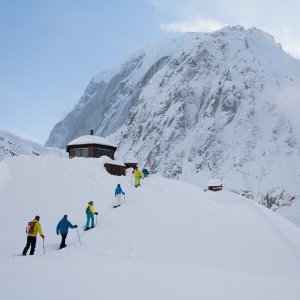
[(90, 139), (115, 163)]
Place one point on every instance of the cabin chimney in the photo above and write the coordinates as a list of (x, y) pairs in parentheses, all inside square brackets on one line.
[(92, 132)]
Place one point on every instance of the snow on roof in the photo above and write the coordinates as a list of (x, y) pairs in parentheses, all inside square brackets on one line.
[(214, 182), (90, 139), (129, 161), (107, 160)]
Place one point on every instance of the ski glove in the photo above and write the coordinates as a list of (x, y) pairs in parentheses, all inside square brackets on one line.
[(42, 236), (75, 226), (57, 233), (95, 213)]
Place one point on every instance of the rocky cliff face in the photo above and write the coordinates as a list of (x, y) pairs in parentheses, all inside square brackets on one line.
[(108, 99), (202, 106)]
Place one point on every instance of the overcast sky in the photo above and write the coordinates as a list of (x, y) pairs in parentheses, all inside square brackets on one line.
[(49, 50)]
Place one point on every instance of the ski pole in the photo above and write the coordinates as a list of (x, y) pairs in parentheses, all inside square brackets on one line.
[(78, 236), (96, 218), (124, 198), (44, 247)]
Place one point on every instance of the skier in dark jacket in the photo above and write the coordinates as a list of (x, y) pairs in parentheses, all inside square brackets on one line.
[(62, 228)]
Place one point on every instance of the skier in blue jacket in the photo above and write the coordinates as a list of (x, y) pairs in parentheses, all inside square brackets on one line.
[(62, 228), (118, 195)]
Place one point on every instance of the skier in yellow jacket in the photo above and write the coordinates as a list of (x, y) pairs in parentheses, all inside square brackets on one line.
[(90, 216), (33, 228), (137, 176)]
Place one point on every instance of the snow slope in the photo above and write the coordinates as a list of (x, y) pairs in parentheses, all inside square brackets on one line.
[(12, 145), (170, 240), (205, 105)]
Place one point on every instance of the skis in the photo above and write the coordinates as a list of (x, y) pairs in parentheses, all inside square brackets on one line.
[(88, 228), (120, 201)]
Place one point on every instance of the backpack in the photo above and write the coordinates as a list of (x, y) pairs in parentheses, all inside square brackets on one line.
[(30, 227)]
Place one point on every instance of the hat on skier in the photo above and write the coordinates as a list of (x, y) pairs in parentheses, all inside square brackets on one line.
[(65, 216), (91, 202), (37, 218)]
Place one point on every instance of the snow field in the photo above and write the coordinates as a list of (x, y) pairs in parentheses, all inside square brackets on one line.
[(170, 240)]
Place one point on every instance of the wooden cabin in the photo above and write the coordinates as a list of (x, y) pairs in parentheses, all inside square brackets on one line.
[(91, 146), (215, 185), (115, 168), (130, 164)]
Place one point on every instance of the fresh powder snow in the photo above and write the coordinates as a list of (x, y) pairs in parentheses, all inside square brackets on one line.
[(170, 240)]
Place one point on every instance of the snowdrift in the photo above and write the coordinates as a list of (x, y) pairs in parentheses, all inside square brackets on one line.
[(170, 240)]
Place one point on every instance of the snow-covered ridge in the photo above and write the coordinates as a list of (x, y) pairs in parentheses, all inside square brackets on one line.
[(12, 145)]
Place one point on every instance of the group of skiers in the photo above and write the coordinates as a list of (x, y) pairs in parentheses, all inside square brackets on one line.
[(34, 227)]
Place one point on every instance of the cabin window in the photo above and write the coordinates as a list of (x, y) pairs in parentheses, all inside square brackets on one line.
[(103, 152), (82, 152)]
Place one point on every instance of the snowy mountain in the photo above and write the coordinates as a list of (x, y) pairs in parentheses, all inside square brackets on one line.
[(218, 105), (170, 240), (12, 145), (110, 96)]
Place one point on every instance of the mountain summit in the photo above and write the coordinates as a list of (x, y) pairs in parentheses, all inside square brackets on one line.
[(202, 106)]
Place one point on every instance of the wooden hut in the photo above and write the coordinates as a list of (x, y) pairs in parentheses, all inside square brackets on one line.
[(91, 146), (215, 185), (115, 168), (130, 164)]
